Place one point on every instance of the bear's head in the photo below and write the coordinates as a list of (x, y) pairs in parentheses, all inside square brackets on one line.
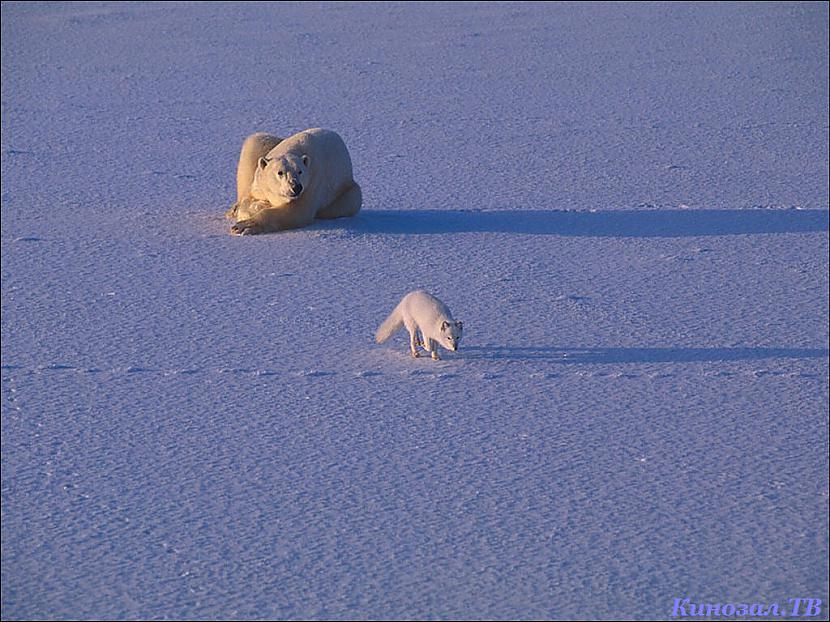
[(282, 178)]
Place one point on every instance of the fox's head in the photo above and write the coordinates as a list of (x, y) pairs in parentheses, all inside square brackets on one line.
[(450, 335)]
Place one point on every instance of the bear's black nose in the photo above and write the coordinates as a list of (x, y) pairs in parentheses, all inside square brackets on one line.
[(297, 188)]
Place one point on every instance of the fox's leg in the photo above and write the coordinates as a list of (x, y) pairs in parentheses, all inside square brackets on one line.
[(420, 339), (433, 349), (412, 327), (413, 342), (347, 204)]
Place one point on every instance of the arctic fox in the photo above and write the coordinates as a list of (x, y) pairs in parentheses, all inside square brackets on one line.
[(420, 311)]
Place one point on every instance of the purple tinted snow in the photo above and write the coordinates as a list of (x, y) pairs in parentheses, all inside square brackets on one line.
[(626, 204)]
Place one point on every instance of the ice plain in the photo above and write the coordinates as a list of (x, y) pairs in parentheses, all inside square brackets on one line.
[(626, 204)]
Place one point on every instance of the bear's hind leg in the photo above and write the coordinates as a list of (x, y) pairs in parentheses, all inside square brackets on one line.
[(255, 147), (347, 204)]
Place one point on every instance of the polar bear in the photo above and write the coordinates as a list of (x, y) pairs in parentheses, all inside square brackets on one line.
[(285, 184)]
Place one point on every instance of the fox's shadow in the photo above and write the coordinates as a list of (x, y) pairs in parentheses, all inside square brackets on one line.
[(568, 355), (615, 223)]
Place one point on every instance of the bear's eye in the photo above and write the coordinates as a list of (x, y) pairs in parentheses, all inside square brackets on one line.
[(279, 173), (300, 173)]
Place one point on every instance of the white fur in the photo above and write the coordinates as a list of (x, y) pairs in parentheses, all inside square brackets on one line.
[(287, 183), (421, 311), (254, 147)]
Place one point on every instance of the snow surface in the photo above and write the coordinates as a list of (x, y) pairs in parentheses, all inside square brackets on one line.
[(626, 205)]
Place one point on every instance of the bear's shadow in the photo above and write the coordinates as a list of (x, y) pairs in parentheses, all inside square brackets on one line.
[(622, 223)]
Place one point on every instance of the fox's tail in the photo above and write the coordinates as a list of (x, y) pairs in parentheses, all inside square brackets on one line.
[(390, 325)]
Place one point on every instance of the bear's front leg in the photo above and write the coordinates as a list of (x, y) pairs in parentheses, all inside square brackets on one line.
[(247, 210), (247, 227), (271, 219)]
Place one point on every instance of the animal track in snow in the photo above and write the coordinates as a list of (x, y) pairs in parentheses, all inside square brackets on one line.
[(437, 372)]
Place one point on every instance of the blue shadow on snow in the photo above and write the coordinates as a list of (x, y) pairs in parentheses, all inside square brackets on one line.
[(639, 355), (621, 223)]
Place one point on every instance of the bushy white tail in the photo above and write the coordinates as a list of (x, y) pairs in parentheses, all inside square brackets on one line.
[(390, 325)]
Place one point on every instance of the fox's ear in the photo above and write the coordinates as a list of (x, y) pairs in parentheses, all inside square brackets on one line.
[(306, 160), (444, 325), (263, 162), (460, 325)]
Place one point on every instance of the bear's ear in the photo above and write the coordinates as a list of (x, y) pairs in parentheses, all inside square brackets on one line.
[(263, 162), (306, 160)]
